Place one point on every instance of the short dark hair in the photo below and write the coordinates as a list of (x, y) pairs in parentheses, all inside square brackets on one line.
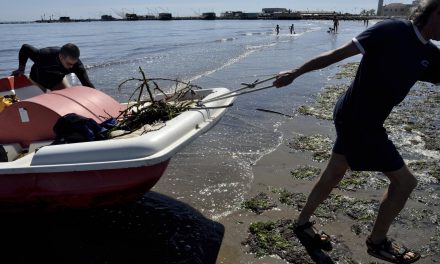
[(423, 11), (70, 50)]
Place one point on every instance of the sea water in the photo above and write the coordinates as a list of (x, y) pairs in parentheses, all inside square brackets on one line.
[(214, 172)]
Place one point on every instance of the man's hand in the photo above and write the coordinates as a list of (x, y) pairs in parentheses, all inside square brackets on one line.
[(19, 71), (284, 78)]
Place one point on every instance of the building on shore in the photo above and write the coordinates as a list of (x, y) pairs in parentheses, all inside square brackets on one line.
[(250, 15), (274, 10), (238, 15), (287, 16), (380, 8), (318, 14), (107, 18), (396, 9), (131, 17), (268, 13), (279, 13), (64, 19), (165, 16), (208, 16), (232, 15)]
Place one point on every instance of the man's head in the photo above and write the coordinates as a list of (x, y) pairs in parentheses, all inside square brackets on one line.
[(427, 18), (69, 55)]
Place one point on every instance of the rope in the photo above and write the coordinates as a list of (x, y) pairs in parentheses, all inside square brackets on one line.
[(211, 107), (274, 112), (237, 92)]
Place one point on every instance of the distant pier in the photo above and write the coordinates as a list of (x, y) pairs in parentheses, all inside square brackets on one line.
[(266, 14)]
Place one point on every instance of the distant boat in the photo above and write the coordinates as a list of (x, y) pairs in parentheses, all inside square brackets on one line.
[(165, 16), (209, 16), (36, 175)]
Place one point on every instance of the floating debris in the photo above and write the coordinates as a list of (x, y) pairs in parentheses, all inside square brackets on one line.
[(297, 200), (323, 108), (433, 247), (348, 70), (414, 125), (305, 172), (259, 203), (356, 209), (318, 144), (276, 238), (418, 218), (431, 168), (361, 180)]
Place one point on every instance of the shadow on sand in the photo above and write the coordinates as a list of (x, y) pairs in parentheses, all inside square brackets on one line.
[(319, 256), (156, 229)]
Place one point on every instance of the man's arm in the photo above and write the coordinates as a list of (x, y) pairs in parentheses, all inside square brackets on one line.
[(320, 62), (81, 73), (26, 52)]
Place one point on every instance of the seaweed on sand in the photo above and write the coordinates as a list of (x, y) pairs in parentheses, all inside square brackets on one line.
[(259, 203), (276, 238), (323, 108), (297, 200), (431, 168), (305, 172), (357, 209), (319, 145), (348, 70), (362, 180), (156, 108)]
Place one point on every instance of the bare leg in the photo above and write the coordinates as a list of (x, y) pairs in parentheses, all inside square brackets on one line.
[(401, 186), (332, 175), (394, 199)]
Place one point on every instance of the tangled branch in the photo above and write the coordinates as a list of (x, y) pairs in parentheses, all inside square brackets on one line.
[(156, 108)]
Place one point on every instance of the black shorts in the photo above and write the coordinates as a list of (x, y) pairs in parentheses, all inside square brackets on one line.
[(367, 149)]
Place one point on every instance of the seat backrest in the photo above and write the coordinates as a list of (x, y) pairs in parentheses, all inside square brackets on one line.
[(20, 86)]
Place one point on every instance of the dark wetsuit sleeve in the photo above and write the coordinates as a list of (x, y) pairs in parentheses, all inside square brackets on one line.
[(81, 73), (28, 52)]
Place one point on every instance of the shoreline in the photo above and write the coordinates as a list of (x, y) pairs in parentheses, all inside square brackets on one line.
[(340, 17)]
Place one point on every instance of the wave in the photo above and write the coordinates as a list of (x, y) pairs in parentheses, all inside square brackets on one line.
[(255, 33), (226, 39), (149, 59), (227, 64), (15, 50), (249, 49), (257, 47)]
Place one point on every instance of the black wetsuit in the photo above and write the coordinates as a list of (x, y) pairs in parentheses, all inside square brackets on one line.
[(48, 70)]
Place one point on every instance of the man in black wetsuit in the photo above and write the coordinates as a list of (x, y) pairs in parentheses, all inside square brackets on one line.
[(51, 65), (396, 54)]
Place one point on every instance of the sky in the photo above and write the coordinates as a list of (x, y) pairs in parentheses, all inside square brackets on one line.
[(31, 10)]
